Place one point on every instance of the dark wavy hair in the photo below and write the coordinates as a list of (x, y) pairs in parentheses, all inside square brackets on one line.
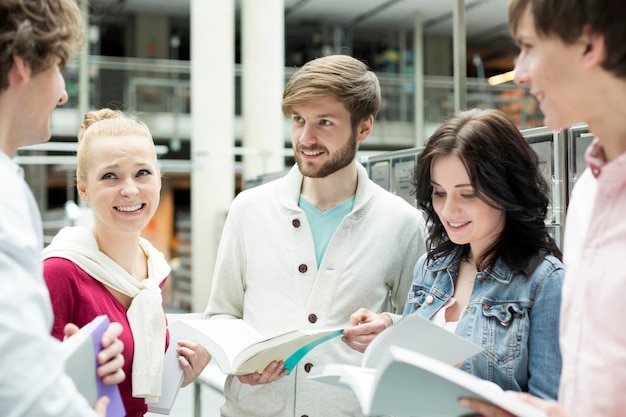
[(504, 172)]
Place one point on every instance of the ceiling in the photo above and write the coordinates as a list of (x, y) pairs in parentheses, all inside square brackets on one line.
[(486, 20)]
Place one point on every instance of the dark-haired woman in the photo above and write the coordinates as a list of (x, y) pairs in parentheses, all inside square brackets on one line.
[(492, 273)]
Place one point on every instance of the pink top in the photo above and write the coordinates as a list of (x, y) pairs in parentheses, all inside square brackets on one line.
[(593, 311), (77, 298)]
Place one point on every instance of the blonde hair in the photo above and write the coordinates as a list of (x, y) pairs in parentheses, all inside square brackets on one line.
[(106, 122)]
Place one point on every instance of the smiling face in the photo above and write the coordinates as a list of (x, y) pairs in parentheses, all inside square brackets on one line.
[(38, 95), (466, 218), (322, 137), (552, 69), (122, 182), (49, 85)]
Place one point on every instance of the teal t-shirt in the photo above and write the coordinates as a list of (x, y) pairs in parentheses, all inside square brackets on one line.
[(324, 223)]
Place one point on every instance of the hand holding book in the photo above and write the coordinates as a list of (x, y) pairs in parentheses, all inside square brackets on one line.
[(239, 349), (80, 353), (487, 409), (409, 369)]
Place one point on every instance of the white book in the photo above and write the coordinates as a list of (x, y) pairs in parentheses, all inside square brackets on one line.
[(409, 370), (80, 353), (172, 371), (408, 383), (239, 349), (417, 333)]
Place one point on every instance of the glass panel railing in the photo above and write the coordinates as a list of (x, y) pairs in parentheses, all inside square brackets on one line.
[(163, 86)]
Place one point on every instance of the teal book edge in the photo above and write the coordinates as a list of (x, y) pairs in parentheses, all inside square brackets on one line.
[(297, 356)]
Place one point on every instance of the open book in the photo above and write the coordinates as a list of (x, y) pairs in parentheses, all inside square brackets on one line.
[(408, 383), (408, 370), (239, 349), (417, 333), (80, 355), (172, 371)]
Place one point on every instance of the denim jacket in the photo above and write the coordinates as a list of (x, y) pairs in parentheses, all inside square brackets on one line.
[(513, 317)]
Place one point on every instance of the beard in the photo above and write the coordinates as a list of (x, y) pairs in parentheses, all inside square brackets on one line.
[(340, 159)]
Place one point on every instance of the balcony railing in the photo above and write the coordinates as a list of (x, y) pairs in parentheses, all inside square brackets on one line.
[(163, 86)]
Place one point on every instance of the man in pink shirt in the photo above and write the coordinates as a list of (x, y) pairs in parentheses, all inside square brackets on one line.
[(573, 59)]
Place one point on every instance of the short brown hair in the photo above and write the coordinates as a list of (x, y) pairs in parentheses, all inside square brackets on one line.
[(38, 31), (343, 77), (567, 19)]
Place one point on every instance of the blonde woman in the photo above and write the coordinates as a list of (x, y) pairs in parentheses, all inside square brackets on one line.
[(109, 268)]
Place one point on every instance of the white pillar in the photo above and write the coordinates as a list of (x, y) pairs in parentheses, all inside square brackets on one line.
[(212, 135), (83, 68), (418, 79), (459, 52), (263, 80)]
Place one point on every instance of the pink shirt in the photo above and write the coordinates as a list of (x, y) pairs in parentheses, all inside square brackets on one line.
[(593, 315), (77, 298)]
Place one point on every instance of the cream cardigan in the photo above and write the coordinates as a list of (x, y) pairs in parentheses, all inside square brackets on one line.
[(266, 273)]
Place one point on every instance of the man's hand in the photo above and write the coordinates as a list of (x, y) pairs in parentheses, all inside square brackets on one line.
[(273, 372), (552, 408), (110, 359), (100, 406), (365, 326)]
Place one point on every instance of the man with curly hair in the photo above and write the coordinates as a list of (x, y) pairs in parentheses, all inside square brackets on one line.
[(37, 37)]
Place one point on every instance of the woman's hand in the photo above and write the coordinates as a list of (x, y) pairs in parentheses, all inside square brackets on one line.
[(365, 326), (110, 358), (193, 358)]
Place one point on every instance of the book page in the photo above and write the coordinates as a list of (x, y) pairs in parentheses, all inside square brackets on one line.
[(172, 371), (280, 348), (409, 383), (419, 334), (239, 349), (358, 379), (79, 354), (223, 339)]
